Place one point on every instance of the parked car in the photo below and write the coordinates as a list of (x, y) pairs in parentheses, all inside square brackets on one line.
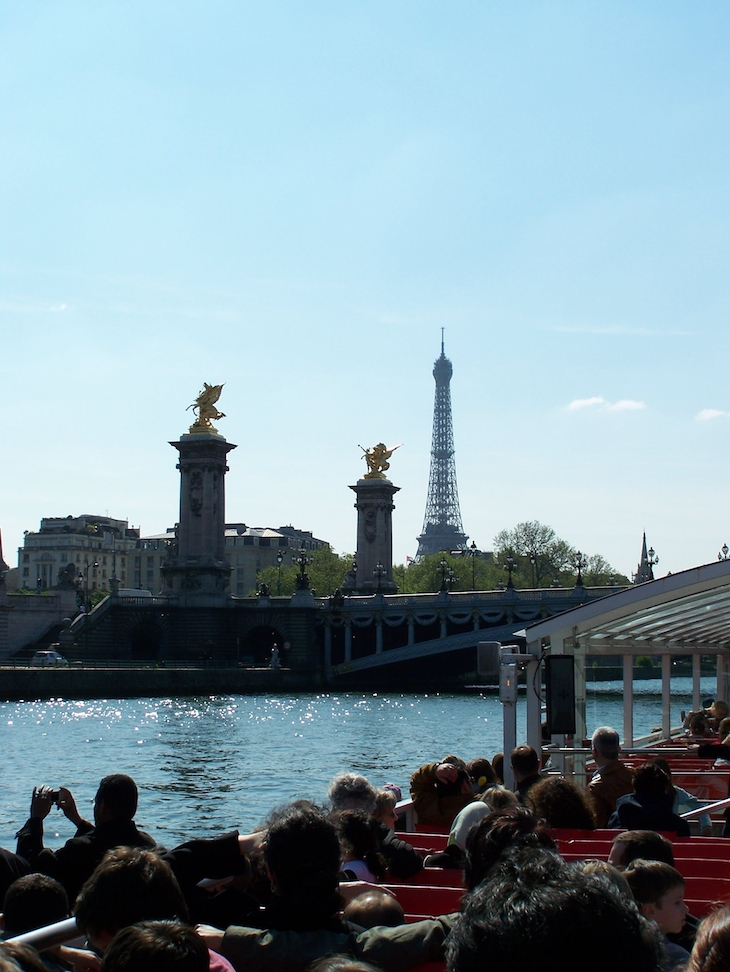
[(47, 658)]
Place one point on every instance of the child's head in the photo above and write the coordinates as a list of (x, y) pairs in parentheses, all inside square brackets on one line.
[(658, 889)]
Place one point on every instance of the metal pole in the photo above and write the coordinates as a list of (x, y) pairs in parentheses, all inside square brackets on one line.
[(628, 686), (666, 696), (696, 672)]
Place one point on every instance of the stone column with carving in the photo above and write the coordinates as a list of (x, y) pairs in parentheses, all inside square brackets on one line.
[(197, 569), (374, 507)]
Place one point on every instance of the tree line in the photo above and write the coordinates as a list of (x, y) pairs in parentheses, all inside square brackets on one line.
[(531, 554)]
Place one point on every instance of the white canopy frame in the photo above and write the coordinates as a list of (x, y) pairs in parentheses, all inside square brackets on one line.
[(681, 614)]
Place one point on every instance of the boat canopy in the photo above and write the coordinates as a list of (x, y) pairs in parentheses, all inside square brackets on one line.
[(685, 614)]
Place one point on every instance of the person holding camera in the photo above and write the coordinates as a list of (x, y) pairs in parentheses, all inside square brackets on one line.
[(440, 790), (115, 805)]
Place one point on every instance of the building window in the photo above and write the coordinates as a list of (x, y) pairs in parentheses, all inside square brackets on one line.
[(26, 572), (26, 558)]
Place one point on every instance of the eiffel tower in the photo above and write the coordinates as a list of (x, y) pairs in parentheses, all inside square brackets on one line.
[(442, 528)]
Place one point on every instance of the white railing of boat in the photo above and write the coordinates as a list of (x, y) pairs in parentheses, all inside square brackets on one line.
[(710, 808), (60, 933)]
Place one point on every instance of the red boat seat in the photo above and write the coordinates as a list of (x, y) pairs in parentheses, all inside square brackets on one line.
[(425, 900)]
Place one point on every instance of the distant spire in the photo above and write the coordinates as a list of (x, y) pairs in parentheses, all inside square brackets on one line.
[(3, 566), (644, 571), (442, 342)]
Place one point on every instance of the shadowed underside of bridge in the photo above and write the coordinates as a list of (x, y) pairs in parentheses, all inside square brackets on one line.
[(436, 662)]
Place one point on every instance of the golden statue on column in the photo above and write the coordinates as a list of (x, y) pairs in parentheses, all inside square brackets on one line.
[(204, 407)]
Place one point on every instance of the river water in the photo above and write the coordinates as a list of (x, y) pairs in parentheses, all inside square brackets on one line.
[(206, 765)]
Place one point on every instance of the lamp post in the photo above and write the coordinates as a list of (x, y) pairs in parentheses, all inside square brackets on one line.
[(353, 571), (443, 569), (652, 560), (279, 561), (724, 551), (379, 571), (579, 565), (452, 578), (533, 563), (88, 566), (473, 552), (509, 566), (302, 560)]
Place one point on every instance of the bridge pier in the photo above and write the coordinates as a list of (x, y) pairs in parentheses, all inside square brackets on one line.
[(348, 642)]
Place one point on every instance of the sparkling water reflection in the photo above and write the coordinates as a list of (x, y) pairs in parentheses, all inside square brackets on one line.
[(205, 765)]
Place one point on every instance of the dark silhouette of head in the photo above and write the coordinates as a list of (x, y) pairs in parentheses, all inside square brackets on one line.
[(302, 856), (156, 946), (32, 902), (524, 761), (116, 798), (498, 832), (561, 803), (536, 911), (130, 885), (650, 780), (632, 845)]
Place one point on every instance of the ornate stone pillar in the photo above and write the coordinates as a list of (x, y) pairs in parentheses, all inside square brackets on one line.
[(198, 568), (374, 507)]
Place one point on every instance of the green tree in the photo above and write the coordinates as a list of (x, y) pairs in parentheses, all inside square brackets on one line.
[(542, 558), (599, 573), (326, 571), (425, 576), (539, 554)]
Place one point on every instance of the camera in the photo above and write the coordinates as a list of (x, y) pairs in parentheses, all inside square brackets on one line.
[(54, 796)]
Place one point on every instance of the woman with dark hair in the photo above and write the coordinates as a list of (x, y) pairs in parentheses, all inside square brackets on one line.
[(497, 832), (649, 807), (711, 950), (359, 846), (683, 801), (560, 803)]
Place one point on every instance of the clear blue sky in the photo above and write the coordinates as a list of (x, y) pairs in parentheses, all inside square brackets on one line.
[(293, 198)]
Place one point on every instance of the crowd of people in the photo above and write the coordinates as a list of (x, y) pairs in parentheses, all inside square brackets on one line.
[(303, 891)]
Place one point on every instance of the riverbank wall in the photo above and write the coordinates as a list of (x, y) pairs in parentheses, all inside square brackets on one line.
[(31, 684)]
